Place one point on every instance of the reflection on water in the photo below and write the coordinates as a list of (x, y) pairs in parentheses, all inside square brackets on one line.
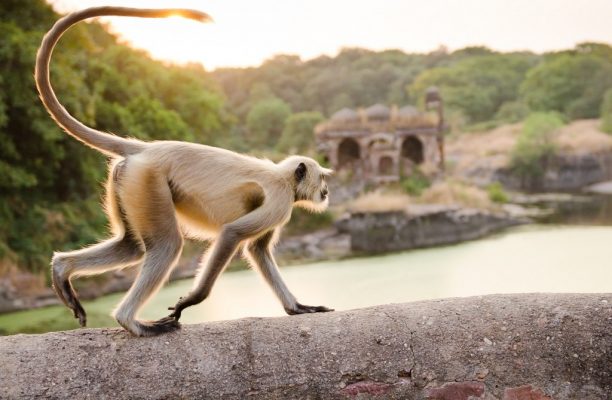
[(591, 210), (537, 258)]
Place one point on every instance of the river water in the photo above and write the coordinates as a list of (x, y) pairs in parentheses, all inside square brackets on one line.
[(550, 257)]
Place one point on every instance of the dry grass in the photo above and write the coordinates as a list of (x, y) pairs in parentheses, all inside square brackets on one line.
[(468, 149), (492, 149), (456, 193), (583, 136), (449, 192), (380, 202)]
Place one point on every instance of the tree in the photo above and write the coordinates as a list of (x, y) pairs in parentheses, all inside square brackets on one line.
[(535, 144), (266, 121), (50, 183), (571, 82), (477, 86), (298, 135)]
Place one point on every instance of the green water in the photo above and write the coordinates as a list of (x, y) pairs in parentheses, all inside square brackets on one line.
[(540, 258)]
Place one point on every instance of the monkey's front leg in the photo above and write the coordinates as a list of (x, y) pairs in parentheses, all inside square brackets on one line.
[(220, 254), (261, 257)]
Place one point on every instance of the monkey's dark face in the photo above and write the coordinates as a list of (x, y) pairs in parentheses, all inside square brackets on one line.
[(311, 191)]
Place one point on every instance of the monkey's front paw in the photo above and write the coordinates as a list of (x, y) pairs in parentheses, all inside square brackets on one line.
[(176, 309), (176, 314), (302, 309)]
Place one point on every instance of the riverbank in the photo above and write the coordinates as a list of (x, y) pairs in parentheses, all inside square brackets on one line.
[(526, 259), (356, 234)]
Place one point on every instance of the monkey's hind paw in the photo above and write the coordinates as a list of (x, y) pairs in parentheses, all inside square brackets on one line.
[(161, 326), (302, 309), (79, 313), (75, 305), (65, 292)]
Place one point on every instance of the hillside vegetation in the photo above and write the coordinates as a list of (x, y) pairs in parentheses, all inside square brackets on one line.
[(50, 185)]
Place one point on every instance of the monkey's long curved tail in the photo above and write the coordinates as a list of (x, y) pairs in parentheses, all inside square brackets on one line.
[(107, 143)]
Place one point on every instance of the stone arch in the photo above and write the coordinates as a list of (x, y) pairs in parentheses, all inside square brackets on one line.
[(412, 149), (385, 166), (381, 139), (348, 152)]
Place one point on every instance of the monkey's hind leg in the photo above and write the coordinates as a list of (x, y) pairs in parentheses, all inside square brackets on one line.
[(113, 254), (147, 201), (120, 251)]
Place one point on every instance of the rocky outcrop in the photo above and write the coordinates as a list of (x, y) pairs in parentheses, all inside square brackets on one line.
[(325, 244), (500, 347), (421, 226), (583, 156), (567, 172)]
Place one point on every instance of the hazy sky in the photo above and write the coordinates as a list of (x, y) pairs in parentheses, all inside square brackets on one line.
[(247, 32)]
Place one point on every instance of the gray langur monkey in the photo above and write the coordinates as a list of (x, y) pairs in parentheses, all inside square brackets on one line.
[(158, 193)]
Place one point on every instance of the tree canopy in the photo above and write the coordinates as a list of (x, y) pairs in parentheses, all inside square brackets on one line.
[(49, 183)]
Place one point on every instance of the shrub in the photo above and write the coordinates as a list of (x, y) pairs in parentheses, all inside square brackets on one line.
[(415, 184), (535, 144), (298, 134), (512, 111), (496, 193), (606, 112)]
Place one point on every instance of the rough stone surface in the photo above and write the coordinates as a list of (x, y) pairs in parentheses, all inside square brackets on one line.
[(504, 347)]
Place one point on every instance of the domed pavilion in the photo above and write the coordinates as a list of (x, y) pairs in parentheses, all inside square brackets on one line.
[(382, 144)]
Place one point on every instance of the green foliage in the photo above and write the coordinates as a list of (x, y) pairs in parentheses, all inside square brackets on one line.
[(606, 112), (570, 82), (49, 183), (415, 184), (476, 85), (298, 136), (496, 193), (535, 145), (266, 121), (354, 78), (512, 111)]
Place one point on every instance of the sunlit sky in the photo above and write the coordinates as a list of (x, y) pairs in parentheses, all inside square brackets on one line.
[(247, 32)]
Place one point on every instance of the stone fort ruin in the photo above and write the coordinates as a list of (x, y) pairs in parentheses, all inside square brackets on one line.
[(381, 144)]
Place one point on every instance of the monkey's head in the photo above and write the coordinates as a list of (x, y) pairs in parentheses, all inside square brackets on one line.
[(309, 182)]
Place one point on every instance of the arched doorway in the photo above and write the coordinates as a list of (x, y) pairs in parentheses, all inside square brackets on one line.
[(412, 148), (348, 152), (385, 166)]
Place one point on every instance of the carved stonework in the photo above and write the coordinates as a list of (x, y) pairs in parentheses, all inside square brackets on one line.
[(382, 144)]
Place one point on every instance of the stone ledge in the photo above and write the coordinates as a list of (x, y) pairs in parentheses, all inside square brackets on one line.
[(504, 347)]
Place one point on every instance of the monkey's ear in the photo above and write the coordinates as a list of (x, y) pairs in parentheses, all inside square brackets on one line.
[(300, 172)]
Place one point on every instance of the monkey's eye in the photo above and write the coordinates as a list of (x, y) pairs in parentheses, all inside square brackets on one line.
[(300, 172)]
